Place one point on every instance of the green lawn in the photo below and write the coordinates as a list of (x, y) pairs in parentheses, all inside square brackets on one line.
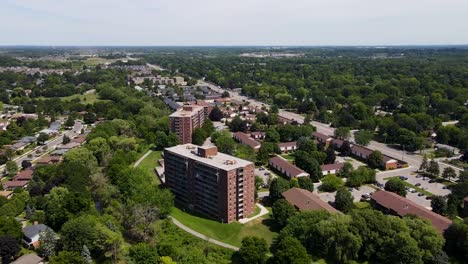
[(149, 163), (255, 212), (289, 157), (89, 98), (407, 184), (362, 205), (228, 233)]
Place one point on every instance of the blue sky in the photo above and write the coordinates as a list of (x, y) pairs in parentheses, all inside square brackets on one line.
[(233, 22)]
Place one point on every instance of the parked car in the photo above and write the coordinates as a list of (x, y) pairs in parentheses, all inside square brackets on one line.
[(350, 189), (414, 191), (266, 173), (445, 187), (365, 196), (420, 194), (418, 176), (403, 178), (261, 168), (418, 184), (380, 185)]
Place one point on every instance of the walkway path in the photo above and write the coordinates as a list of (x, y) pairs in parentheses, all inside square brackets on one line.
[(195, 233), (263, 211), (142, 158)]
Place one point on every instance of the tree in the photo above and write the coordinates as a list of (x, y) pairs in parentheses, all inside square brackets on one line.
[(277, 187), (144, 253), (363, 137), (290, 250), (66, 139), (11, 167), (83, 157), (67, 257), (396, 185), (439, 205), (216, 114), (167, 260), (424, 164), (253, 250), (26, 164), (345, 149), (375, 159), (9, 248), (42, 138), (224, 142), (346, 170), (449, 173), (306, 162), (331, 183), (306, 144), (342, 133), (10, 227), (456, 237), (433, 168), (272, 135), (47, 242), (306, 183), (331, 157), (344, 200), (199, 136), (281, 211), (267, 149)]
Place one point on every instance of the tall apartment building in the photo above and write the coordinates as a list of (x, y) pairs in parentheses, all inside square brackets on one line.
[(210, 183), (183, 121)]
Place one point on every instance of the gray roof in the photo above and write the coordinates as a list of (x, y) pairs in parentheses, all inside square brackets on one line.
[(34, 230)]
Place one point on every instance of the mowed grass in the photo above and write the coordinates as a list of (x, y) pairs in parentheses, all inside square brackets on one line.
[(149, 163), (88, 98), (228, 233)]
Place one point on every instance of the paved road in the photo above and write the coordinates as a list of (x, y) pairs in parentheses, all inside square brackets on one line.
[(199, 235), (142, 158), (51, 144)]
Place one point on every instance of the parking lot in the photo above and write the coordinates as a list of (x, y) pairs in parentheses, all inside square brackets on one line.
[(266, 174), (356, 192)]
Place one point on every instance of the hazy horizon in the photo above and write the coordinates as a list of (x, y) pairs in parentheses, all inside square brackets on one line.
[(308, 23)]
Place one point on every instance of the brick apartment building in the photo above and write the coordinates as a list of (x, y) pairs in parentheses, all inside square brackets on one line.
[(183, 121), (216, 185)]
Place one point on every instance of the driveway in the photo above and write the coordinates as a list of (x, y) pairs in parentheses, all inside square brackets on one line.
[(266, 178)]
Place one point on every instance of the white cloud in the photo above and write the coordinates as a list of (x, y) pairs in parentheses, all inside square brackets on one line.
[(227, 22)]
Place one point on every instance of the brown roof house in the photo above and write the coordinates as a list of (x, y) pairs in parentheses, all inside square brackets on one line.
[(287, 146), (397, 205), (25, 175), (246, 140), (332, 168), (304, 200), (284, 167), (322, 138)]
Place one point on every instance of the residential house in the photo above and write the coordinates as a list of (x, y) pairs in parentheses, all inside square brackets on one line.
[(258, 135), (395, 204), (304, 200), (286, 147), (6, 194), (48, 160), (31, 234), (31, 258), (12, 185), (332, 168), (284, 167), (246, 140), (25, 175), (322, 138)]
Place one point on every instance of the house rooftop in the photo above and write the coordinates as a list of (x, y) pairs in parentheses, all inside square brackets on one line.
[(31, 258), (219, 160), (287, 167), (245, 139), (26, 174), (186, 111), (402, 206), (33, 230), (305, 200), (334, 166)]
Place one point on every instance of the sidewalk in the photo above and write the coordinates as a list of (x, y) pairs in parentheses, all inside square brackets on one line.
[(195, 233), (263, 211)]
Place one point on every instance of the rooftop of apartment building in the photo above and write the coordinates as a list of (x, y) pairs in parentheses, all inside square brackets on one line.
[(209, 156), (187, 110)]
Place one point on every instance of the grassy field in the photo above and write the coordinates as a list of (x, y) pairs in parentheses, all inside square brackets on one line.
[(228, 233), (289, 157), (255, 212), (362, 205), (89, 98), (407, 184), (149, 163)]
